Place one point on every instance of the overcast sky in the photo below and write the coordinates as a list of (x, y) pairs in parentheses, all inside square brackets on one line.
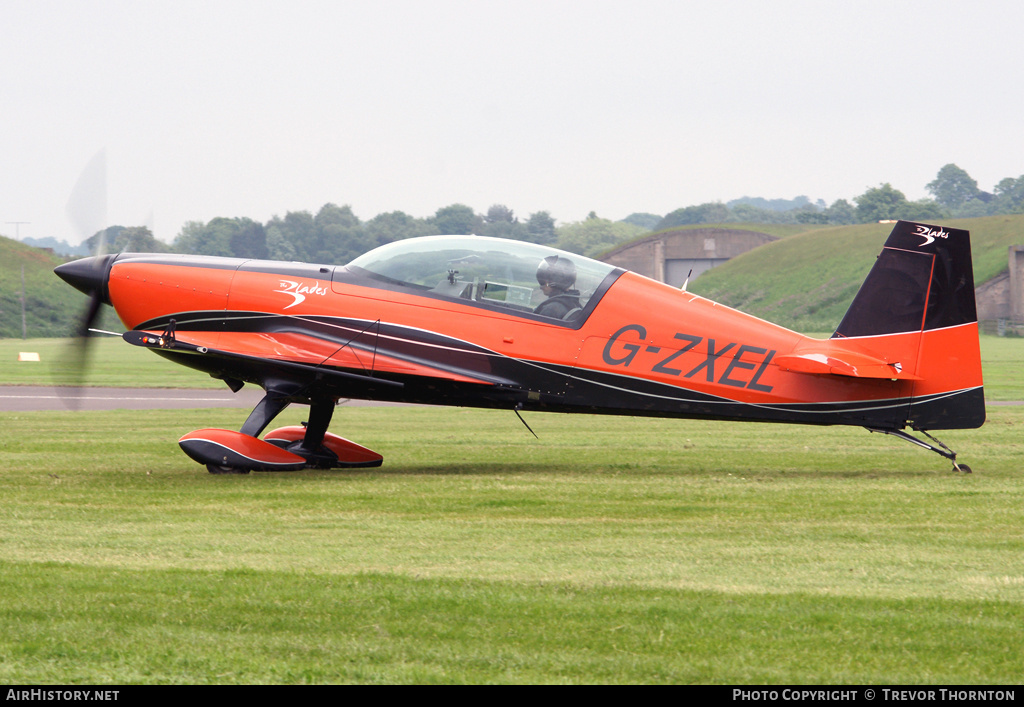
[(218, 108)]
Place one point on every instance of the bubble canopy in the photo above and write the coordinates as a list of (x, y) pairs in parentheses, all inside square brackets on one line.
[(494, 272)]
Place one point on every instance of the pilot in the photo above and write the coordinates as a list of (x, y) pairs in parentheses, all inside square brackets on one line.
[(557, 278)]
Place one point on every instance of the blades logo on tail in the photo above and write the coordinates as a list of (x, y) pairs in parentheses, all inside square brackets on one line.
[(930, 234)]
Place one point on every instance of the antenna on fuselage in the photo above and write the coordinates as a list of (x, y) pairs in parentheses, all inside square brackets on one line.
[(516, 411), (376, 337)]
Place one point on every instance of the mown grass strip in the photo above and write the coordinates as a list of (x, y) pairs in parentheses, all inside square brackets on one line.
[(73, 624), (612, 550)]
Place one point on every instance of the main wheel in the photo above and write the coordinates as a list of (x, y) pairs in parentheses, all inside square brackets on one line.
[(225, 469)]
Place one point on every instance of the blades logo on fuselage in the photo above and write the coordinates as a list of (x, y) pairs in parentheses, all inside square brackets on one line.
[(299, 291)]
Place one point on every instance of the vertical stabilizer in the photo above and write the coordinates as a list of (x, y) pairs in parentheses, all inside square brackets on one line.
[(917, 304), (923, 280)]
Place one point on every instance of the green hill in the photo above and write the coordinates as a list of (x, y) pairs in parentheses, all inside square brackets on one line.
[(52, 308), (807, 281), (49, 303)]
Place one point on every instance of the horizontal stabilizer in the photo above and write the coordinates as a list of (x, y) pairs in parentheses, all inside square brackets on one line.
[(848, 363)]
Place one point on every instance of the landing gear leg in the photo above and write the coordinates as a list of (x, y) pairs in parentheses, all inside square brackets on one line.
[(320, 413), (263, 414), (939, 448)]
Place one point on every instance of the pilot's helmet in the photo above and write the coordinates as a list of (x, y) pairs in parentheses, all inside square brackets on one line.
[(557, 271)]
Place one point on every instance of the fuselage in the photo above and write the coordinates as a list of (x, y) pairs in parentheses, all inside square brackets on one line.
[(464, 333)]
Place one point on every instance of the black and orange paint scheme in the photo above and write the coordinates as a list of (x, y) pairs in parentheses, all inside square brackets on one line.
[(453, 320)]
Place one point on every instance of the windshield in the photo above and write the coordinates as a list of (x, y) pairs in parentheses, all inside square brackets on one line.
[(522, 277)]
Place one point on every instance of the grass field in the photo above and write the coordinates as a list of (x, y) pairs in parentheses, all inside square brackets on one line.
[(610, 550), (110, 362)]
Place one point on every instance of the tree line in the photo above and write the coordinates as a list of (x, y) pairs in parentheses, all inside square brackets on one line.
[(335, 234), (955, 195)]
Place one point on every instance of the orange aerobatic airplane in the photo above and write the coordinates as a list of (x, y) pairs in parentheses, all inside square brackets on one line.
[(486, 322)]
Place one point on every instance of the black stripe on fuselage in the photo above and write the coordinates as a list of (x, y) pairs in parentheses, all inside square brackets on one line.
[(547, 386)]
